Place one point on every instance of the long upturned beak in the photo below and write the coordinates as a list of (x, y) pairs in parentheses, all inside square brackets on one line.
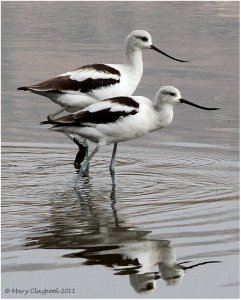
[(198, 106), (158, 50), (202, 263)]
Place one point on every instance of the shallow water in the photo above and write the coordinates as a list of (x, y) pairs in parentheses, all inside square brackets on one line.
[(171, 227)]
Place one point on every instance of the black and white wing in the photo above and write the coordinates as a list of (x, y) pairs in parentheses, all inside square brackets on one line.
[(104, 112), (83, 80)]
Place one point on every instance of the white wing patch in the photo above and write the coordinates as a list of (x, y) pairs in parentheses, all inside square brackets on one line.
[(114, 107), (120, 107), (98, 106), (83, 74)]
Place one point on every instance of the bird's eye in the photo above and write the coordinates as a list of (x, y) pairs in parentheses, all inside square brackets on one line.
[(144, 39), (169, 93)]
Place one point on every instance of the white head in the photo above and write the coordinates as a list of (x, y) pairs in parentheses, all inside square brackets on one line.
[(171, 274), (168, 95), (141, 39), (144, 283), (171, 95)]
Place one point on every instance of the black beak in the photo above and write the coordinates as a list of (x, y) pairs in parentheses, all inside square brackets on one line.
[(158, 50), (198, 106), (203, 263)]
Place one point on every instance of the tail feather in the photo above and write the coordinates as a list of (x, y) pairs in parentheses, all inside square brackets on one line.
[(65, 120), (45, 122), (23, 88)]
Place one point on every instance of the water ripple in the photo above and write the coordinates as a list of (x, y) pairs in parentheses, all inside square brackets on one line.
[(190, 200)]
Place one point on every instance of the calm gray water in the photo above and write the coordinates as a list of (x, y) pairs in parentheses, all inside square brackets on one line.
[(171, 229)]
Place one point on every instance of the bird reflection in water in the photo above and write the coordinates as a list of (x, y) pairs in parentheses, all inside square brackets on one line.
[(137, 257), (104, 238)]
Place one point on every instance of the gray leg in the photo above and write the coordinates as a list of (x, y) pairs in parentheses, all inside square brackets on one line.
[(112, 164), (69, 136), (84, 144), (84, 166), (73, 139), (51, 116), (77, 141), (82, 153)]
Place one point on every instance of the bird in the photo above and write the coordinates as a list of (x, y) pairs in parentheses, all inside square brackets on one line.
[(120, 119), (79, 88)]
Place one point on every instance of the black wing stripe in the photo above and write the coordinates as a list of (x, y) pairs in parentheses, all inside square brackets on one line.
[(64, 83), (101, 68), (124, 101), (89, 84), (104, 116)]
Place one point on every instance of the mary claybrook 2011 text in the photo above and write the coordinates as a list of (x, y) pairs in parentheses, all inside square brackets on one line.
[(37, 291)]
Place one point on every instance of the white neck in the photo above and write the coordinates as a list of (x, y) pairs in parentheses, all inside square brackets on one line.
[(165, 113), (133, 58)]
